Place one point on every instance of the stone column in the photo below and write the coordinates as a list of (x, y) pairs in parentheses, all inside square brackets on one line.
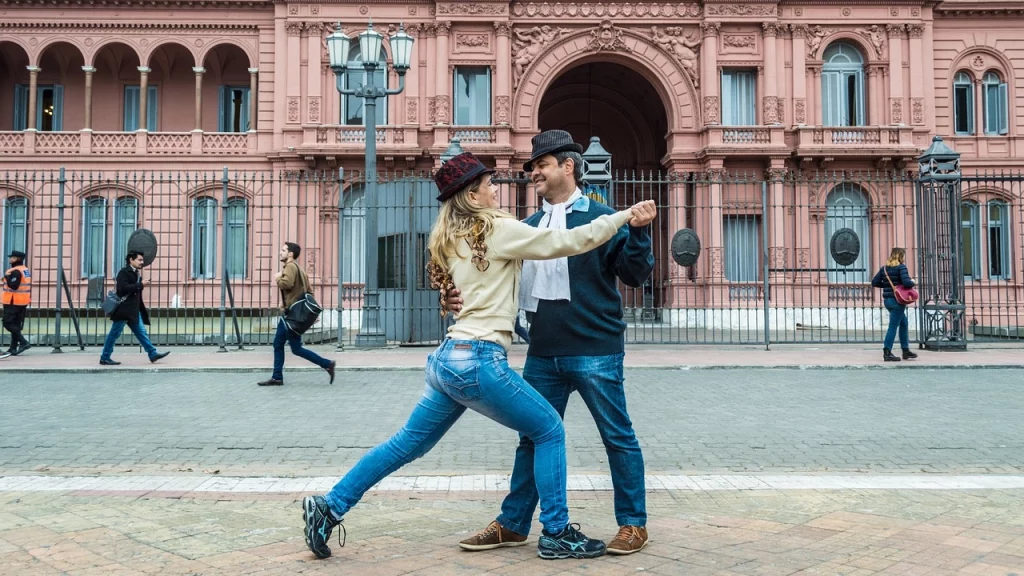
[(979, 110), (408, 113), (314, 76), (917, 74), (254, 96), (442, 85), (895, 32), (502, 83), (143, 100), (293, 68), (33, 83), (716, 243), (199, 70), (89, 70), (815, 89), (709, 73), (770, 100), (778, 252), (875, 94), (427, 90), (799, 75)]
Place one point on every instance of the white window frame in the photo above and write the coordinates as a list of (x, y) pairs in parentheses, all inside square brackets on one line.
[(21, 106), (996, 95), (460, 100), (838, 72), (739, 97), (847, 206), (11, 224), (126, 212), (233, 252), (741, 237), (204, 216), (353, 237), (962, 82), (969, 228), (91, 206), (1005, 260), (225, 119)]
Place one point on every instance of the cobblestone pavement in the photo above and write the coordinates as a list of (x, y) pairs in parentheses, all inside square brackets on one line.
[(887, 427), (944, 421)]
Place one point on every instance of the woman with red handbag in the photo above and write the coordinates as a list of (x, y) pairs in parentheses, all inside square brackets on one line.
[(897, 291)]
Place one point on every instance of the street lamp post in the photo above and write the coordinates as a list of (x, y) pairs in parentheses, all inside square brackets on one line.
[(371, 333)]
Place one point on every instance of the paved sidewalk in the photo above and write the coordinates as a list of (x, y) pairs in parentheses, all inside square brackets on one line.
[(693, 357)]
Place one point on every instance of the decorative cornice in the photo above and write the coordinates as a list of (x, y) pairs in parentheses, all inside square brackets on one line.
[(100, 26), (268, 4), (710, 28), (771, 28), (472, 9), (915, 30), (503, 28), (616, 10), (977, 9)]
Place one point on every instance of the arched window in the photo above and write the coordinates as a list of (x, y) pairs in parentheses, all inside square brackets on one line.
[(204, 237), (15, 224), (998, 240), (970, 241), (353, 237), (847, 207), (963, 104), (842, 86), (236, 252), (355, 76), (94, 237), (996, 101), (126, 220)]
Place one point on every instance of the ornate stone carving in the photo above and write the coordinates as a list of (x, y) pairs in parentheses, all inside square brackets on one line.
[(412, 110), (915, 30), (798, 30), (894, 12), (468, 40), (875, 37), (847, 11), (978, 62), (776, 174), (815, 34), (293, 108), (803, 258), (897, 110), (771, 28), (443, 108), (503, 28), (442, 28), (739, 40), (314, 28), (917, 111), (777, 257), (607, 37), (614, 10), (770, 109), (799, 111), (711, 110), (528, 44), (740, 10), (798, 11), (674, 41), (314, 109), (293, 9), (472, 9), (432, 109), (502, 104), (710, 28), (915, 11), (293, 28), (895, 30), (782, 110), (399, 136), (321, 135), (716, 260)]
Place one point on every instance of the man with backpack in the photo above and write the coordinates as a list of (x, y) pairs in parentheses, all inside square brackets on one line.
[(294, 285)]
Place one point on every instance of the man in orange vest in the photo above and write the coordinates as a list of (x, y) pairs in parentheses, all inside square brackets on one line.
[(17, 296)]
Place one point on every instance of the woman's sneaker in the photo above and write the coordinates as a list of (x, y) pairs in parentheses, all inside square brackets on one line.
[(570, 543), (319, 525)]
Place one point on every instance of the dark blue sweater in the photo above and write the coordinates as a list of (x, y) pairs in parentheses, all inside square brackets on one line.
[(590, 324), (898, 275)]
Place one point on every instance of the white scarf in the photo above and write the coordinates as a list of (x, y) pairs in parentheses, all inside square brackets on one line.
[(547, 279)]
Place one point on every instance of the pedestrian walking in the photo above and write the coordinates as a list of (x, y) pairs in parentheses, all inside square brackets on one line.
[(893, 274), (294, 285), (576, 343), (17, 295), (131, 312), (479, 247)]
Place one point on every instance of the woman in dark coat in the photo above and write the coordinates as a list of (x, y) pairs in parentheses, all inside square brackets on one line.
[(895, 273), (131, 312)]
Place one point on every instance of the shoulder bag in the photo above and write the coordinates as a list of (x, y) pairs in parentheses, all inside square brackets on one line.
[(902, 294), (302, 314), (111, 302)]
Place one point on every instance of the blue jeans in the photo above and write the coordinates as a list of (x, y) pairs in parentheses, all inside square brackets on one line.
[(295, 342), (897, 319), (469, 374), (599, 381), (137, 328)]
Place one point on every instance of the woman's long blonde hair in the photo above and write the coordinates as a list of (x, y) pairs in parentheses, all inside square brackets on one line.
[(896, 257), (458, 220)]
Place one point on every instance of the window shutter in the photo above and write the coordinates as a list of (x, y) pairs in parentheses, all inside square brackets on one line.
[(728, 98), (745, 99), (970, 109), (58, 107), (151, 108), (830, 104), (1003, 109), (131, 108), (20, 106), (244, 116), (222, 114)]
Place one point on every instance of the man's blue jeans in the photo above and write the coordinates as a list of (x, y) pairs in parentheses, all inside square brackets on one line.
[(599, 381), (137, 328), (470, 374), (897, 321), (295, 342)]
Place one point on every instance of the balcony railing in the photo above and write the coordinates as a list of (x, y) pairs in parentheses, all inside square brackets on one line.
[(355, 136), (852, 138), (740, 138), (122, 143), (474, 134)]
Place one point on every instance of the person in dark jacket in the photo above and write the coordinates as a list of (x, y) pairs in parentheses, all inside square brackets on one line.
[(895, 272), (131, 312)]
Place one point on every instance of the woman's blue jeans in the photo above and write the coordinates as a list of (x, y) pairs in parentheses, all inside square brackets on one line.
[(897, 321), (469, 374)]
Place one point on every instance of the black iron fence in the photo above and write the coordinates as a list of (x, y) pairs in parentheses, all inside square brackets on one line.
[(782, 258)]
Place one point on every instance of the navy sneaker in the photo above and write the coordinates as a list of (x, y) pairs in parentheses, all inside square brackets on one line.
[(319, 525), (570, 543)]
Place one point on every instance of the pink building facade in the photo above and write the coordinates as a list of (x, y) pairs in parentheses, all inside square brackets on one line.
[(712, 89)]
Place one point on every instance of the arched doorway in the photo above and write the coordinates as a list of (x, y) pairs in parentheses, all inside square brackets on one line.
[(616, 104)]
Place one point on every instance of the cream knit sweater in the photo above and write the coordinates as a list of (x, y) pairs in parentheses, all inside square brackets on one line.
[(491, 298)]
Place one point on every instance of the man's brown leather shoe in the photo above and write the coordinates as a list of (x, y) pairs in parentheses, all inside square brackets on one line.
[(494, 536), (630, 539)]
